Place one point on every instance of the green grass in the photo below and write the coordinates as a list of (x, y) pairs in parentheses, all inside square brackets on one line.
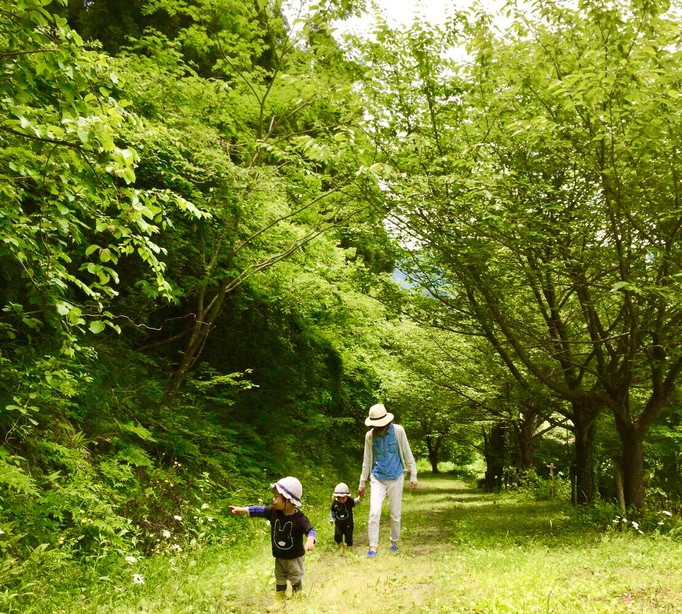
[(462, 551)]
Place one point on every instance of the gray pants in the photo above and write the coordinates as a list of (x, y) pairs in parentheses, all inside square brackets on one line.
[(289, 569)]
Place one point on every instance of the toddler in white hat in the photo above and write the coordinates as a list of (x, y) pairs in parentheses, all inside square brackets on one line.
[(288, 526), (341, 516)]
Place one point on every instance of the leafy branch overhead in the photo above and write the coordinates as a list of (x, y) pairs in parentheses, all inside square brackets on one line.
[(536, 186), (280, 159), (71, 208)]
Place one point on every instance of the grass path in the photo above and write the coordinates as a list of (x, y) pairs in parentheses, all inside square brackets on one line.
[(461, 551)]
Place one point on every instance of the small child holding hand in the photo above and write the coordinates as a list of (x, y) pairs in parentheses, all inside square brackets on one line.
[(341, 515)]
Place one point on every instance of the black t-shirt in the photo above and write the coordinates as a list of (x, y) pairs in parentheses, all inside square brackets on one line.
[(287, 532), (343, 512)]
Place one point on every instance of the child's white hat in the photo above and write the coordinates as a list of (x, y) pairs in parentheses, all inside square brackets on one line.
[(341, 490), (290, 488)]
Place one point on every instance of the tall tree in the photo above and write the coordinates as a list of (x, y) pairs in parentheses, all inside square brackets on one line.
[(539, 177), (276, 158)]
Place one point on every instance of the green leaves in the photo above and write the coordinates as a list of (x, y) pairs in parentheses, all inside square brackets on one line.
[(67, 180), (96, 327), (535, 190)]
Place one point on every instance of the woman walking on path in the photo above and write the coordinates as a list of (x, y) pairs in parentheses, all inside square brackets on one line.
[(387, 457)]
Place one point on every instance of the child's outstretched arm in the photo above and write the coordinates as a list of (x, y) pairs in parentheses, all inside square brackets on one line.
[(312, 538), (239, 510)]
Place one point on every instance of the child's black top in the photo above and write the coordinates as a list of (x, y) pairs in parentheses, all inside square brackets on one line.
[(342, 513), (286, 531)]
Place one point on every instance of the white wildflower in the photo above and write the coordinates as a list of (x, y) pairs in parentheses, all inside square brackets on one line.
[(138, 579), (166, 533), (176, 547), (665, 513), (178, 518), (634, 524), (131, 559), (204, 506)]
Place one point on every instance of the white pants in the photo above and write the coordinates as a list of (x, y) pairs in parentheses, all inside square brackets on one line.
[(378, 492)]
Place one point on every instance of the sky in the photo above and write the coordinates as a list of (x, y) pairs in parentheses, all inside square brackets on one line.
[(396, 12), (402, 12)]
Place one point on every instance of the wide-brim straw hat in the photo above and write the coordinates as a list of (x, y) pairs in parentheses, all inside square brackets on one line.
[(378, 416)]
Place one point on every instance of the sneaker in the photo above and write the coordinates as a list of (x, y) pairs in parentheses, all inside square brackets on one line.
[(371, 553), (393, 548)]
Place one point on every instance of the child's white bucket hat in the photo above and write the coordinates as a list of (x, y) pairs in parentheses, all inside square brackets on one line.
[(290, 488), (341, 490)]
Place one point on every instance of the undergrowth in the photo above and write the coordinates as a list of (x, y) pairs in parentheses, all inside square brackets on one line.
[(463, 550)]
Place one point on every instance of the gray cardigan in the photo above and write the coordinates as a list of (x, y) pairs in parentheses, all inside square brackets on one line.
[(405, 455)]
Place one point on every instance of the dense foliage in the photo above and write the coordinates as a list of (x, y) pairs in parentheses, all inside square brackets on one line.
[(147, 197), (539, 179), (226, 232)]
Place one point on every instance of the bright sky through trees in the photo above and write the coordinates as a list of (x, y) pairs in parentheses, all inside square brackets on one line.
[(396, 12), (403, 12)]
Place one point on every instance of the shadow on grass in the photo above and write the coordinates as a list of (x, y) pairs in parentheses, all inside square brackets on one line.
[(454, 491), (443, 512), (473, 497)]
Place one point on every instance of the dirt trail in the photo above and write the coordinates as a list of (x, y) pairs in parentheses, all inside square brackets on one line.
[(467, 552), (406, 581)]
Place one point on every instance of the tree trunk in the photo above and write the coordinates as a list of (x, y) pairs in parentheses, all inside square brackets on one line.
[(432, 445), (524, 452), (584, 420), (633, 472), (189, 358), (205, 317), (618, 478), (494, 457)]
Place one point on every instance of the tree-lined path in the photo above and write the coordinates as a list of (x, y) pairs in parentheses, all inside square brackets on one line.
[(462, 551), (227, 230)]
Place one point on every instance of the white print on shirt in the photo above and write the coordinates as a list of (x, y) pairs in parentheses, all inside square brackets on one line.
[(342, 513), (282, 536)]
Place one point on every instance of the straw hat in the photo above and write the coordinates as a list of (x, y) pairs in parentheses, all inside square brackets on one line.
[(378, 416)]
